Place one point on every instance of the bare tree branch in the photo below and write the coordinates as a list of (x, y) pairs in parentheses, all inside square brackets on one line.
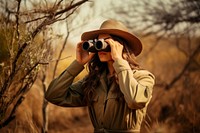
[(26, 54), (12, 116), (44, 105), (17, 18), (60, 53), (185, 68)]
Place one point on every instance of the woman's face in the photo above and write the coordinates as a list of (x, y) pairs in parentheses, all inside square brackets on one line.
[(104, 56)]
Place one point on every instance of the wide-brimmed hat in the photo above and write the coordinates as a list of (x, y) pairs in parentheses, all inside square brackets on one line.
[(115, 28)]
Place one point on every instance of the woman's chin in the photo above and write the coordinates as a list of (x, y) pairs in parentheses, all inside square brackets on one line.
[(103, 60)]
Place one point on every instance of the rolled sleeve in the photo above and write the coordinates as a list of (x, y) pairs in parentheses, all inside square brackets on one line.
[(62, 92), (75, 68), (121, 65), (136, 85)]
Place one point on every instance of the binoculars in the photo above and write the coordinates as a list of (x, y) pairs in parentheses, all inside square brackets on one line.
[(96, 46)]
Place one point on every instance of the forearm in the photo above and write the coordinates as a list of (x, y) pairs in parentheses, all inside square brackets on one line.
[(58, 88)]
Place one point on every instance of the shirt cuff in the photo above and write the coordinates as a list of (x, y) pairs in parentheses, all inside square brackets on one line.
[(75, 68), (121, 65)]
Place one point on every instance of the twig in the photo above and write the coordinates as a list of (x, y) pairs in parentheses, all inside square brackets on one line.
[(17, 19), (13, 71), (43, 17), (60, 53), (44, 106), (60, 59), (70, 7)]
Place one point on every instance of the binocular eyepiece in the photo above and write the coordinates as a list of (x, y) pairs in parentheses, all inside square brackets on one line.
[(95, 46)]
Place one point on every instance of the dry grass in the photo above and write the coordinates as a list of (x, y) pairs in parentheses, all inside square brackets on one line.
[(170, 111), (177, 109)]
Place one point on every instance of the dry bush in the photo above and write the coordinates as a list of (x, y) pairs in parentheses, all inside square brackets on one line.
[(68, 119), (178, 107), (174, 109), (61, 120), (21, 23), (29, 114)]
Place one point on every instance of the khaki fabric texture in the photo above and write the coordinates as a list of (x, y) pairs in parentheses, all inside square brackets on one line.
[(108, 110)]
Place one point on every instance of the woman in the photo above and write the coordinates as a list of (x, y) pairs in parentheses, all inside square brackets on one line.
[(116, 90)]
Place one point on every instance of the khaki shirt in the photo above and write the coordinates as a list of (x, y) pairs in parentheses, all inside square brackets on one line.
[(109, 111)]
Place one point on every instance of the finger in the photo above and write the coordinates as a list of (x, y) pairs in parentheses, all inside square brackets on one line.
[(113, 42), (110, 42)]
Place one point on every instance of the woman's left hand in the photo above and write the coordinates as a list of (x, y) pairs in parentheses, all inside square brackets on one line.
[(116, 49)]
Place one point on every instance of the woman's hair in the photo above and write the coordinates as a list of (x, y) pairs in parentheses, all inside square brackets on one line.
[(96, 68)]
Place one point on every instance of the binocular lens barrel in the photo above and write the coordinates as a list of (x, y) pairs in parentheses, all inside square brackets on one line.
[(99, 45), (86, 45)]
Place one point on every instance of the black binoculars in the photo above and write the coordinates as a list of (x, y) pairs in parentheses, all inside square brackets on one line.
[(96, 46)]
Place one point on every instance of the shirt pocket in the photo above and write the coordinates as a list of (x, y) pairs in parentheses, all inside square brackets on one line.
[(114, 104)]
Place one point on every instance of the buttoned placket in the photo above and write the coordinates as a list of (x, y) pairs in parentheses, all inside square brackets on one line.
[(103, 81)]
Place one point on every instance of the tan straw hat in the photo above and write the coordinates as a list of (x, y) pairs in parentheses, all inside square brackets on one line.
[(115, 28)]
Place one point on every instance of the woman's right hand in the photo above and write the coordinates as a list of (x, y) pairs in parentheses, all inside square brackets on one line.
[(82, 56)]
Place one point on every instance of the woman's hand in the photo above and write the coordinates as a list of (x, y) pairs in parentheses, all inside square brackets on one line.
[(82, 56), (116, 49)]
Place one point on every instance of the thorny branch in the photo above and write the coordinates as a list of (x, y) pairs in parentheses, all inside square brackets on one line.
[(28, 79), (49, 20), (60, 53)]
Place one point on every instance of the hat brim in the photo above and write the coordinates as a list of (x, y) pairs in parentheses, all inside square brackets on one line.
[(132, 41)]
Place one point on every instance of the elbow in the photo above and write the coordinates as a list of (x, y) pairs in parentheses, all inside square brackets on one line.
[(141, 99), (51, 98), (136, 105), (47, 96), (50, 92)]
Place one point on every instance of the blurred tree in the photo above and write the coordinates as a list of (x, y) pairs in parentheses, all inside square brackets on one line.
[(175, 19), (24, 47)]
